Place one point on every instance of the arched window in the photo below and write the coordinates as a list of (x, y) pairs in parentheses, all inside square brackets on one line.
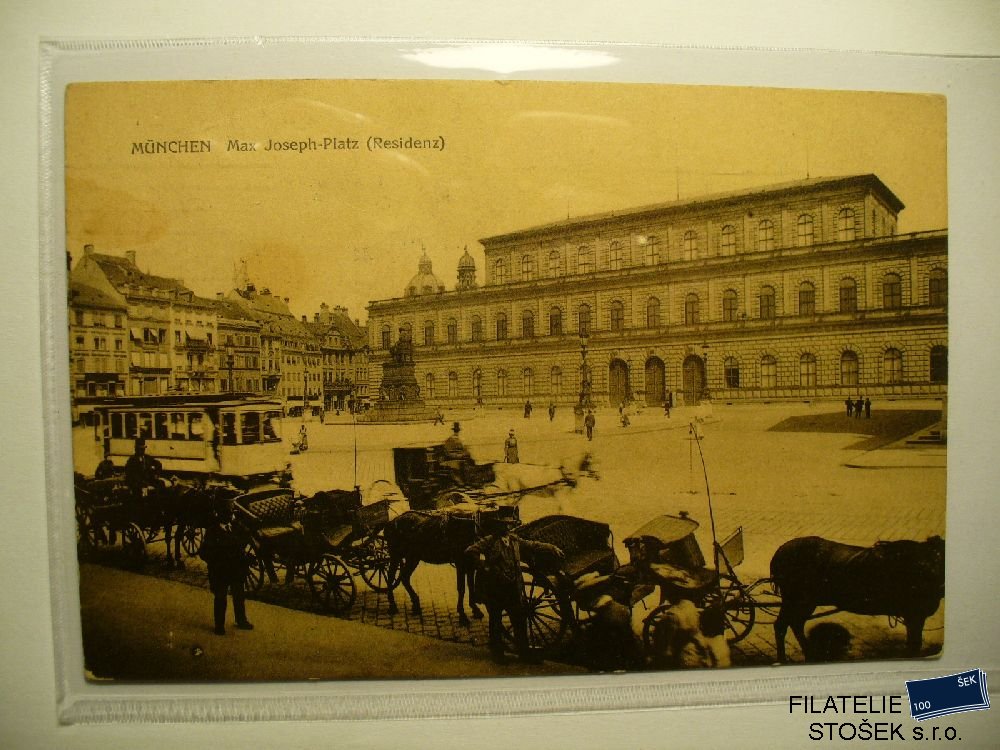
[(767, 303), (652, 254), (937, 287), (500, 271), (691, 309), (555, 263), (804, 236), (428, 333), (386, 336), (452, 331), (768, 372), (452, 385), (555, 322), (476, 328), (690, 245), (848, 295), (477, 385), (617, 316), (939, 364), (429, 385), (528, 381), (845, 225), (615, 259), (730, 302), (892, 291), (584, 260), (807, 370), (528, 267), (849, 368), (555, 381), (892, 367), (527, 324), (652, 313), (501, 382), (807, 298), (728, 244), (501, 327), (731, 369), (765, 235), (584, 320)]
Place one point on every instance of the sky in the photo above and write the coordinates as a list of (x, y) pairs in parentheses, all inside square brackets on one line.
[(346, 226)]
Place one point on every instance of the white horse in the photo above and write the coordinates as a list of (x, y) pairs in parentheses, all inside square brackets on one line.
[(542, 481)]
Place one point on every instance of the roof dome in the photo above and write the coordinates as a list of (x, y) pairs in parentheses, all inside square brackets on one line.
[(425, 282), (466, 262)]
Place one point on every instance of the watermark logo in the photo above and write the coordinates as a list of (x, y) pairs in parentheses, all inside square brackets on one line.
[(951, 694)]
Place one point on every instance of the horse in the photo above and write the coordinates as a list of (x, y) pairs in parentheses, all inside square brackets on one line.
[(436, 537), (543, 481), (902, 579)]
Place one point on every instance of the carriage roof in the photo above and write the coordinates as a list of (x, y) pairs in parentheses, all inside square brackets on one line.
[(664, 529), (227, 400)]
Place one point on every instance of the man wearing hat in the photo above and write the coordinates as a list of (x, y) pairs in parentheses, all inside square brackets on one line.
[(141, 471), (223, 552), (455, 454), (510, 449), (498, 556)]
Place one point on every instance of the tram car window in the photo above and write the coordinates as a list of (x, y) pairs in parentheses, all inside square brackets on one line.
[(250, 427), (196, 428), (178, 426), (160, 425), (229, 428)]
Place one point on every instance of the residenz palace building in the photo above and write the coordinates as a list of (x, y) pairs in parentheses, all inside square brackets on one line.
[(803, 290)]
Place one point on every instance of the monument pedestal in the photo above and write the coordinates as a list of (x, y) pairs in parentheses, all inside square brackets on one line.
[(399, 396)]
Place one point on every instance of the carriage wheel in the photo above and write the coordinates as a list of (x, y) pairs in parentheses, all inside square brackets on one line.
[(332, 585), (374, 564), (191, 539), (254, 580), (546, 613), (766, 600), (134, 545), (736, 604)]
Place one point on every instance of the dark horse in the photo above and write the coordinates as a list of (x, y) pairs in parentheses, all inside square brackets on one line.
[(902, 579), (436, 537)]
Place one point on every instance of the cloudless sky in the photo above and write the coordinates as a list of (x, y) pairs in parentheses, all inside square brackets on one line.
[(347, 226)]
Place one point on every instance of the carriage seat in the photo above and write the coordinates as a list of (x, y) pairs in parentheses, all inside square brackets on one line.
[(691, 580), (585, 544), (275, 517)]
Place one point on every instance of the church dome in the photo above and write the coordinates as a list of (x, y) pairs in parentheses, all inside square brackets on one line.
[(425, 282), (466, 262)]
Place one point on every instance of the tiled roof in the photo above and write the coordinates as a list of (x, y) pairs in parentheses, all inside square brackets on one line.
[(733, 195), (121, 271), (227, 308), (84, 295)]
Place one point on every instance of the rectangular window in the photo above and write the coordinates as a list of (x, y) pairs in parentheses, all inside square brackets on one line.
[(160, 425), (250, 428), (228, 428)]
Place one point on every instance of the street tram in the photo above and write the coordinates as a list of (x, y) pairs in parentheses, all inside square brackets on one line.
[(228, 435)]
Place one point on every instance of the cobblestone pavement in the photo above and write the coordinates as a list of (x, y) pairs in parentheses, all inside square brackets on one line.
[(774, 485)]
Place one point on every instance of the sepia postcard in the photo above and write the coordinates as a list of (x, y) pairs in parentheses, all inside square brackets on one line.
[(376, 379)]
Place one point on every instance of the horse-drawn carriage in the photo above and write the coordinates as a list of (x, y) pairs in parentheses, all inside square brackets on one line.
[(109, 514), (323, 540)]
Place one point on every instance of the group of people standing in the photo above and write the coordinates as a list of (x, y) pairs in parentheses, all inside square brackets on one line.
[(855, 408)]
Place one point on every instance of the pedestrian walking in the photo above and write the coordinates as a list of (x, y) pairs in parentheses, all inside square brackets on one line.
[(439, 416), (223, 552), (858, 406), (497, 557), (850, 406), (666, 408), (510, 449), (868, 408), (552, 411), (589, 422), (621, 408), (625, 420)]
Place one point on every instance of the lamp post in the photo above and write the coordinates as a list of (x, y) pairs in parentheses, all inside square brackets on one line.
[(230, 361), (585, 402)]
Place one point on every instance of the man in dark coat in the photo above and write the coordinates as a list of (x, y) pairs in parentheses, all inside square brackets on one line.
[(498, 556), (589, 422), (868, 408), (142, 471), (223, 552)]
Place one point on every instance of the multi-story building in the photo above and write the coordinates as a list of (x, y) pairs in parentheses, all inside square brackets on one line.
[(289, 356), (343, 347), (239, 348), (802, 290), (171, 336), (98, 341)]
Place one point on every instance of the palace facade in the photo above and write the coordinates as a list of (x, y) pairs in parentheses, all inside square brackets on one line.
[(802, 290)]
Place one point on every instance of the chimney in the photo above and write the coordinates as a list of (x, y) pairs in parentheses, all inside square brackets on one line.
[(220, 295), (323, 306), (88, 249), (316, 318), (130, 256), (304, 319), (286, 300)]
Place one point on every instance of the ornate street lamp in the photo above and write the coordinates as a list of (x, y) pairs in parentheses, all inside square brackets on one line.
[(706, 394)]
